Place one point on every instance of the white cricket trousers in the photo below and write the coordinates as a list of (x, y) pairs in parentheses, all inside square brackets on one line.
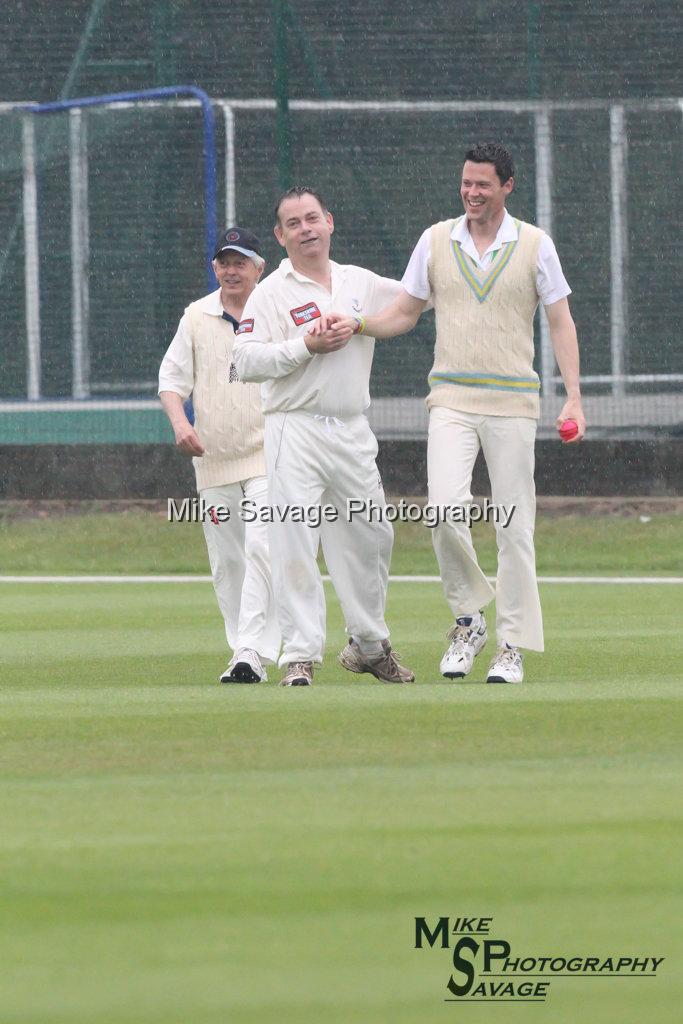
[(240, 569), (508, 446), (312, 461)]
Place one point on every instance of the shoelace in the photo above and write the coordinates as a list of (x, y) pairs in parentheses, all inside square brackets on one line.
[(389, 663), (300, 668), (506, 656), (459, 634)]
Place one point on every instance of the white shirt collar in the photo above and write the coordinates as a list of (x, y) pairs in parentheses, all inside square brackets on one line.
[(212, 304), (507, 232), (286, 269)]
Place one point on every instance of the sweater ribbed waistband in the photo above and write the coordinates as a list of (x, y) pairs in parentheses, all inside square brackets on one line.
[(491, 381)]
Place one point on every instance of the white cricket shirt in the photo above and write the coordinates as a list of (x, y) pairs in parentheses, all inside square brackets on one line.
[(270, 342), (551, 285)]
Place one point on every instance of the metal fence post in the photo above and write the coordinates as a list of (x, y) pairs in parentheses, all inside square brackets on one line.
[(31, 264), (544, 219), (230, 195), (618, 248), (80, 251)]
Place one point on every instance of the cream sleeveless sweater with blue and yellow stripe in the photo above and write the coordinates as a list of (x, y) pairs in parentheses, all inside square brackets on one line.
[(483, 358)]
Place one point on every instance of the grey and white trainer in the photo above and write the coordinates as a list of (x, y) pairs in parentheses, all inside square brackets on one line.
[(385, 667), (299, 673)]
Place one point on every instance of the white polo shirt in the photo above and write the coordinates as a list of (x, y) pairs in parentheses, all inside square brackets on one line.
[(551, 285), (270, 344)]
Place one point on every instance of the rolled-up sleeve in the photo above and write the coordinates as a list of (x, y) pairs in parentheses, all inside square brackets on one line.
[(261, 350), (416, 277), (551, 285), (176, 372)]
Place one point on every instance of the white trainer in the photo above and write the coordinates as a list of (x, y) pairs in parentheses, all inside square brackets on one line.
[(506, 666), (466, 641), (245, 667)]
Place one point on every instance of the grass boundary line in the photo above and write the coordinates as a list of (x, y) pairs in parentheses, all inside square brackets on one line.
[(180, 578)]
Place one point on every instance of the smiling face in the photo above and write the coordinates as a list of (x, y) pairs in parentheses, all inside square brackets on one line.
[(482, 193), (236, 274), (304, 229)]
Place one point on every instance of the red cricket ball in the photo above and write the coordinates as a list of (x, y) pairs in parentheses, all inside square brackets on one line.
[(568, 430)]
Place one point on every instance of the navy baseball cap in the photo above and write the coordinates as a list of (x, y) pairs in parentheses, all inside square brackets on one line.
[(240, 240)]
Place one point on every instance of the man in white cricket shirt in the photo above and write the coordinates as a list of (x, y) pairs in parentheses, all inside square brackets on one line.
[(485, 272), (318, 443), (226, 443)]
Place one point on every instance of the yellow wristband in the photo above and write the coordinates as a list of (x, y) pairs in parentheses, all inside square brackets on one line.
[(360, 325)]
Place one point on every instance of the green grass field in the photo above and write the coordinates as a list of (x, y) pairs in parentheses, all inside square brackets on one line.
[(176, 851), (144, 542)]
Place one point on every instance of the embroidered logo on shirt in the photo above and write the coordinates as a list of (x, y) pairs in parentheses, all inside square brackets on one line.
[(355, 306), (304, 314), (245, 327)]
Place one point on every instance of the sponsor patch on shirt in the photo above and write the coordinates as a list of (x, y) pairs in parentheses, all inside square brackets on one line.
[(245, 327), (304, 314)]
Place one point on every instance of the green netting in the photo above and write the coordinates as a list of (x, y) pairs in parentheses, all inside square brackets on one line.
[(146, 224), (386, 174), (357, 49)]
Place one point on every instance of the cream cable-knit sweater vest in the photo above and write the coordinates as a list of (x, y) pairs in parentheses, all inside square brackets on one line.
[(483, 358), (228, 416)]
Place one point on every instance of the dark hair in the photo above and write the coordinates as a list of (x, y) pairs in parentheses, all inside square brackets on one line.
[(493, 153), (295, 192)]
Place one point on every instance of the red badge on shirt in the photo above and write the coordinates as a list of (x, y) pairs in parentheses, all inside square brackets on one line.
[(304, 314), (245, 327)]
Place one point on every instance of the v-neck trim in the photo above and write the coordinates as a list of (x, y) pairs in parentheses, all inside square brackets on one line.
[(481, 282)]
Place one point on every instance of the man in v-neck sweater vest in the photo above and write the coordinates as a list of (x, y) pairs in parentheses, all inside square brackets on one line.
[(485, 273)]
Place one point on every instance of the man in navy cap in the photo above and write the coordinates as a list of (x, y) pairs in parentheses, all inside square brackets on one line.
[(226, 443)]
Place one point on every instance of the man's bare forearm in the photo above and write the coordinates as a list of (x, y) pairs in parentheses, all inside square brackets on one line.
[(172, 405), (186, 437), (388, 324), (566, 348), (565, 345), (398, 318)]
